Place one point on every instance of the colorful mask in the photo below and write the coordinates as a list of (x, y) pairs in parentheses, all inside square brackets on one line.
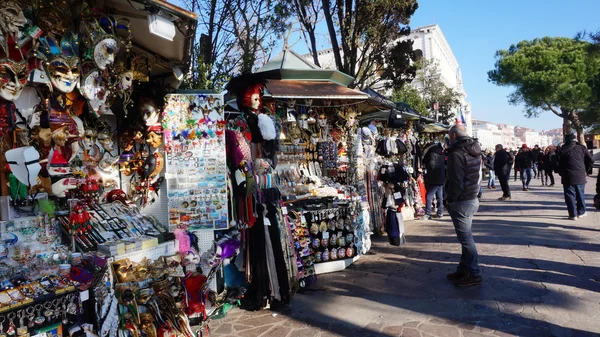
[(14, 70), (103, 39), (61, 61), (154, 139)]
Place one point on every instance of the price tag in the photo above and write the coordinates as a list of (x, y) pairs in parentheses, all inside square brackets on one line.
[(383, 170), (397, 195), (303, 219), (284, 210), (326, 236), (267, 222), (84, 295)]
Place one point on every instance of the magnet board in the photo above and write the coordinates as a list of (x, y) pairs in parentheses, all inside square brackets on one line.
[(196, 170)]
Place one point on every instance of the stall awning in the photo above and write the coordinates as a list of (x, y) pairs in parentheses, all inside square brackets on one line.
[(293, 89)]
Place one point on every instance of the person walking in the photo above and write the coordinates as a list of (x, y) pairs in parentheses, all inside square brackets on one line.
[(489, 164), (503, 162), (548, 163), (517, 169), (537, 156), (463, 179), (574, 161), (435, 177), (525, 160)]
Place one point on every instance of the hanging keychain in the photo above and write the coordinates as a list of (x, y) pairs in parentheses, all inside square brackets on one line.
[(30, 316), (22, 330), (11, 324), (2, 320), (39, 320)]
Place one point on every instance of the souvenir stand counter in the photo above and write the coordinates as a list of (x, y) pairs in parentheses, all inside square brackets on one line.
[(98, 221)]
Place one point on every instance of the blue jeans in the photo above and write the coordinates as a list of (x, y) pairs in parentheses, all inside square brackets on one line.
[(492, 181), (526, 177), (438, 192), (462, 213), (575, 199)]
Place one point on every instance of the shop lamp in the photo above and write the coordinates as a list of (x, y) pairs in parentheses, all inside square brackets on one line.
[(161, 27)]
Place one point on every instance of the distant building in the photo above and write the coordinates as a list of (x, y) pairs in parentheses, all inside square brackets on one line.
[(488, 134)]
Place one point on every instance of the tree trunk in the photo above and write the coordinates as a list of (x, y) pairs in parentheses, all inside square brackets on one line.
[(332, 34), (578, 127), (313, 46)]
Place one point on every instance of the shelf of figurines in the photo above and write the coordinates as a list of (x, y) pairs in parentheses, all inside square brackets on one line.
[(112, 229)]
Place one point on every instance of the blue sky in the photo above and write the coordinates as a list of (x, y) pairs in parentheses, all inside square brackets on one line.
[(475, 29)]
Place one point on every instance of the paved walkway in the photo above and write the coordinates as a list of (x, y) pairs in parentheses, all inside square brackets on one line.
[(541, 278)]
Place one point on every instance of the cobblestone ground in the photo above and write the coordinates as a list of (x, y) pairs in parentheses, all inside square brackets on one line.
[(541, 278)]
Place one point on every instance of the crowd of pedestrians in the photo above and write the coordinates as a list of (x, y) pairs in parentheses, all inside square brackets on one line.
[(454, 172)]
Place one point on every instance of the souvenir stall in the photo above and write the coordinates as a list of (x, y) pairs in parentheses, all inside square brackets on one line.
[(103, 230), (396, 170)]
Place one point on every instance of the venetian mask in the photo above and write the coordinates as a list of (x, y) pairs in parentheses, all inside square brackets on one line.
[(93, 89), (12, 18), (351, 119), (303, 121), (103, 39), (61, 61), (105, 140), (151, 114), (154, 139), (13, 77), (322, 120), (134, 68), (126, 80), (89, 138)]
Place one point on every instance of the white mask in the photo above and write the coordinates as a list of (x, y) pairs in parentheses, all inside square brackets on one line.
[(104, 53), (255, 101), (126, 81)]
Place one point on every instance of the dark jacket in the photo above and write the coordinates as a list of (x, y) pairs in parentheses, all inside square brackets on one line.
[(489, 161), (435, 164), (503, 163), (463, 174), (525, 159), (574, 161), (549, 161), (537, 155)]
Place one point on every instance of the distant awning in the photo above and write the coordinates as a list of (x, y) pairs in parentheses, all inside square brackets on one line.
[(435, 128), (293, 89)]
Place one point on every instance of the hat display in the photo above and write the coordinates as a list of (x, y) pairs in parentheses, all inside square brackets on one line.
[(24, 164)]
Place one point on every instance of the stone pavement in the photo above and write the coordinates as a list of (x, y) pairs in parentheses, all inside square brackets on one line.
[(541, 278)]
